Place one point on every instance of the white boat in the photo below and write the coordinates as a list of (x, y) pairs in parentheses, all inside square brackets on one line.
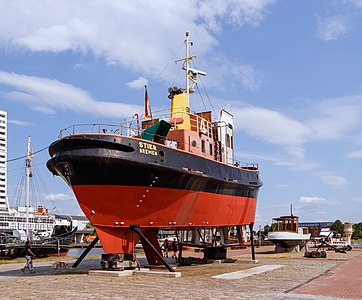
[(287, 235)]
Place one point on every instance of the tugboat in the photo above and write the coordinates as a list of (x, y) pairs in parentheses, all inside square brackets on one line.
[(287, 235), (171, 171)]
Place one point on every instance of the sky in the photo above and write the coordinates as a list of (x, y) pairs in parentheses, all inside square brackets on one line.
[(289, 71)]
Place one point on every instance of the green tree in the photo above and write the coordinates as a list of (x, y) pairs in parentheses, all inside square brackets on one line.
[(357, 231), (267, 229), (89, 225), (338, 227)]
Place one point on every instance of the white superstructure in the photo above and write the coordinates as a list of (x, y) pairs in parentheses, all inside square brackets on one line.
[(4, 205)]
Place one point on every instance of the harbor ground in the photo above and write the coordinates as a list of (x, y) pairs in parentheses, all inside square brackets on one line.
[(336, 277)]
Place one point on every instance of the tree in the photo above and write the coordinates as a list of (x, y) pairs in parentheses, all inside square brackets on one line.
[(89, 225), (357, 231), (267, 229), (338, 227)]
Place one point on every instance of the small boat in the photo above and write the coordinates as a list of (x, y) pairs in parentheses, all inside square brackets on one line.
[(287, 235)]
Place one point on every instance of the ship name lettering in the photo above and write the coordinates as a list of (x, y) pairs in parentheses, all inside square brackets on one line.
[(146, 148)]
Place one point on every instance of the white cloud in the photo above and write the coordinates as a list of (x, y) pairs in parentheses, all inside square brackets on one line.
[(315, 200), (237, 12), (333, 28), (355, 154), (247, 76), (272, 127), (357, 199), (79, 66), (282, 186), (355, 3), (329, 119), (332, 118), (138, 83), (49, 96), (278, 160), (19, 122), (113, 31), (59, 197), (312, 200), (334, 180)]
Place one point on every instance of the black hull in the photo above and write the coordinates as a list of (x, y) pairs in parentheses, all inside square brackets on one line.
[(105, 160)]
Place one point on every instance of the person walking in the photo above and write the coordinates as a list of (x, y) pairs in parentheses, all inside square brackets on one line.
[(29, 254), (174, 248), (165, 248)]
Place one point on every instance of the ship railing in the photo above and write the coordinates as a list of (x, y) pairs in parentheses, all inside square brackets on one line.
[(23, 220), (88, 128), (247, 166), (63, 238), (134, 125)]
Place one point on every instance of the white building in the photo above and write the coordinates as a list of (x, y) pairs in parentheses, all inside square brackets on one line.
[(3, 198)]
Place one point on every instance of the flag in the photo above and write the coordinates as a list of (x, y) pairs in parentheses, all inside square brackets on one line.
[(148, 113)]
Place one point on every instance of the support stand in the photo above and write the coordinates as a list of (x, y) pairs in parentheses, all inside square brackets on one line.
[(153, 249), (252, 241), (80, 258)]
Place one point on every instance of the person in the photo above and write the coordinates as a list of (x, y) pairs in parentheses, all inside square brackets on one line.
[(29, 254), (174, 248), (165, 248)]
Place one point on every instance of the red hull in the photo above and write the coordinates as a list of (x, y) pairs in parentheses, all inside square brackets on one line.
[(113, 209), (57, 255)]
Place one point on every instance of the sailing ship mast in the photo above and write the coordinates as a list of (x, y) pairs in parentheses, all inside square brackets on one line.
[(28, 175)]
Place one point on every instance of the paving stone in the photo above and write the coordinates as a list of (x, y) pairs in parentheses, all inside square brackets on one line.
[(196, 281)]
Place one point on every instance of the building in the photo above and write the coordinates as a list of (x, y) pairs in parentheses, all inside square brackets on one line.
[(315, 227), (4, 205)]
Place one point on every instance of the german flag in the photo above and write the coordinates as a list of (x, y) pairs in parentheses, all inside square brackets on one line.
[(148, 113)]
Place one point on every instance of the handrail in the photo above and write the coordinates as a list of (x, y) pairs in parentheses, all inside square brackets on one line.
[(131, 127)]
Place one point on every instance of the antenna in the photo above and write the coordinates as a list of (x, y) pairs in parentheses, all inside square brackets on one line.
[(191, 74)]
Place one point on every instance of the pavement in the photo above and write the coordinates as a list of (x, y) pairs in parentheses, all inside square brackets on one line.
[(342, 281), (293, 277)]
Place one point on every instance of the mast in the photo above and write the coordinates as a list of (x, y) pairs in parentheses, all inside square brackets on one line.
[(28, 175), (187, 65), (180, 97)]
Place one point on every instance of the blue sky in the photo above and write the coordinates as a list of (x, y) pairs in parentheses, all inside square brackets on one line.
[(290, 72)]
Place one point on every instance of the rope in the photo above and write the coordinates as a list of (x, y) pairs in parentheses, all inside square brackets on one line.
[(25, 156), (171, 59)]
